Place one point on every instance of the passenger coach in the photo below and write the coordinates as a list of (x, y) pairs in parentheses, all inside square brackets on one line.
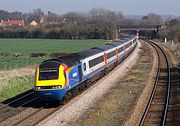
[(56, 77)]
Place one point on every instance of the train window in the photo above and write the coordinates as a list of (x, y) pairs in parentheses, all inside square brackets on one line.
[(84, 66), (48, 74), (96, 61), (111, 54), (120, 50), (131, 43)]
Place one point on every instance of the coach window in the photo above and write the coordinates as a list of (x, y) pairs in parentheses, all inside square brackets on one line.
[(120, 50), (84, 66)]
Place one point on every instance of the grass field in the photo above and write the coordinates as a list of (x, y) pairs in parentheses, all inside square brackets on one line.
[(14, 86), (25, 47)]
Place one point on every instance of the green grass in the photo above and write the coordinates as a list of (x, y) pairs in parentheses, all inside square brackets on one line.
[(7, 63), (28, 46), (15, 86)]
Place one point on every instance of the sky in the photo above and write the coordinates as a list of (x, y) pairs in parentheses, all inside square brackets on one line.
[(128, 7)]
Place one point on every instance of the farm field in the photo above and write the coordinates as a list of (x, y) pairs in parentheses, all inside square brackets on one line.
[(16, 53)]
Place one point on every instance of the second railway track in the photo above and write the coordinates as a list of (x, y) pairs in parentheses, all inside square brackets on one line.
[(16, 105), (156, 110)]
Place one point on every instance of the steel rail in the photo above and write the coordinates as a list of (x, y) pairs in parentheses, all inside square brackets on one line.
[(153, 91), (163, 122), (24, 96)]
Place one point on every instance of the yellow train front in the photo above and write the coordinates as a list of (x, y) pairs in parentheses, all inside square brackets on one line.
[(51, 81)]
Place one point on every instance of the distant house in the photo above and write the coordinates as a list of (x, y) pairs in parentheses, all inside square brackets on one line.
[(16, 22), (34, 23), (12, 23), (2, 24)]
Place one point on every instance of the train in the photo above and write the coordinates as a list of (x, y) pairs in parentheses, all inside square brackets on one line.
[(55, 78)]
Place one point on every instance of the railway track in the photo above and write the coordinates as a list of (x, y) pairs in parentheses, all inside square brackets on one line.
[(36, 113), (13, 111), (16, 104), (35, 116), (157, 107)]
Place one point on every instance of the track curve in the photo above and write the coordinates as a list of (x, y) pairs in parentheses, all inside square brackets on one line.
[(157, 107)]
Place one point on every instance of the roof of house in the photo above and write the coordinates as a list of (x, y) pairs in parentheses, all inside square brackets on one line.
[(34, 23), (16, 22)]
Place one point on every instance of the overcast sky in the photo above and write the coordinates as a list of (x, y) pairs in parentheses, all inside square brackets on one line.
[(128, 7)]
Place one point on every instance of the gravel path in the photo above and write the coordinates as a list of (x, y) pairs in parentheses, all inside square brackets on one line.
[(69, 113)]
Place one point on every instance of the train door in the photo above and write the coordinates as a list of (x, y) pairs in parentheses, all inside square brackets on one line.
[(80, 73), (85, 66)]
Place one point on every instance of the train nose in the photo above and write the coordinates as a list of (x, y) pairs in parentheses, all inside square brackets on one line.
[(49, 95)]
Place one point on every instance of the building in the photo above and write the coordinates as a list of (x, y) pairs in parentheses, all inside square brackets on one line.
[(34, 23), (12, 23), (2, 24), (16, 22)]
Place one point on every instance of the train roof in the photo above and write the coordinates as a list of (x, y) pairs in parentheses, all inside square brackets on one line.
[(50, 64), (90, 52), (115, 44), (73, 59), (105, 47), (70, 60), (121, 41), (126, 39)]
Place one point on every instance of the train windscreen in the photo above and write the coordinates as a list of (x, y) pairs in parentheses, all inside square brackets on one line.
[(48, 74)]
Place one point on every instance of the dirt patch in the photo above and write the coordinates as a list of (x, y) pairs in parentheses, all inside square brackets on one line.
[(30, 70), (174, 51), (144, 97)]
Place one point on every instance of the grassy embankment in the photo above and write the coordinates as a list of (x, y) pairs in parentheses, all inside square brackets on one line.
[(14, 86), (176, 50), (116, 105), (10, 48)]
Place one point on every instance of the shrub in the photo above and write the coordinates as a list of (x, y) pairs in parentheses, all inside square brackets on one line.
[(38, 54), (17, 54), (58, 54), (5, 54)]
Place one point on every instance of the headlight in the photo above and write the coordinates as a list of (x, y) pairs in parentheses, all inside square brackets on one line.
[(57, 87), (47, 87), (38, 88)]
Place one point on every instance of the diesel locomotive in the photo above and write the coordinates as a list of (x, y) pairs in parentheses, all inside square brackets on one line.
[(55, 77)]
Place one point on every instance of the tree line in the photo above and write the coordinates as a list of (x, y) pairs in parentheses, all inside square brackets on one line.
[(172, 30), (98, 23), (83, 30)]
